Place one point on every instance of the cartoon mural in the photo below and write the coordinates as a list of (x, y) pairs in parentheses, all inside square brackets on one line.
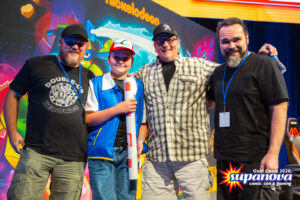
[(32, 28)]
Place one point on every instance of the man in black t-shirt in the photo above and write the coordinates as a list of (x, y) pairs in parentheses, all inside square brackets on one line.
[(56, 134), (251, 107)]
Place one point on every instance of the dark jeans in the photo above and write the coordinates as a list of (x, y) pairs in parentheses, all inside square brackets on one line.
[(249, 192)]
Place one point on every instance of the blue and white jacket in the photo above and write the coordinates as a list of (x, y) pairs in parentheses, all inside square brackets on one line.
[(103, 94)]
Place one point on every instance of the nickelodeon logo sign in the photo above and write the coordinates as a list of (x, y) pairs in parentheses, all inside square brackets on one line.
[(132, 10)]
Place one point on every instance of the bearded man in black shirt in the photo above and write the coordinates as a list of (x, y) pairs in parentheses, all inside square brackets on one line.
[(251, 107), (56, 135)]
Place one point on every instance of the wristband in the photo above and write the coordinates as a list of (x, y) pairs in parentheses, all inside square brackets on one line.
[(141, 142)]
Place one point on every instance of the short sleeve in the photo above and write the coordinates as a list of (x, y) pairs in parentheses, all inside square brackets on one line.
[(91, 102), (90, 74), (22, 81), (272, 84), (138, 74), (208, 67)]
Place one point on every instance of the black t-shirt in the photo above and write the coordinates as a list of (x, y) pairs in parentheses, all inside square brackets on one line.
[(168, 70), (121, 138), (257, 85), (55, 118)]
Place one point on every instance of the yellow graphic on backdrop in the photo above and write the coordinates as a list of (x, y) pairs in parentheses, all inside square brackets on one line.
[(131, 9)]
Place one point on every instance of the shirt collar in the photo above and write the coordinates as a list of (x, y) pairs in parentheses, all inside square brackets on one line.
[(107, 81)]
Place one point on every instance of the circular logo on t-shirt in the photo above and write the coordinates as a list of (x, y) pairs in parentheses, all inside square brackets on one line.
[(62, 95)]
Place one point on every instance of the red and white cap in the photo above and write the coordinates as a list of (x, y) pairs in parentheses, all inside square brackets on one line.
[(122, 44)]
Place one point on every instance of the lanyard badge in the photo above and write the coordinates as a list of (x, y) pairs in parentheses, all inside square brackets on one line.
[(224, 117), (69, 80)]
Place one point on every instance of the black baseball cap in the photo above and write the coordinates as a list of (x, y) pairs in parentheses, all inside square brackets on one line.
[(74, 29), (164, 28)]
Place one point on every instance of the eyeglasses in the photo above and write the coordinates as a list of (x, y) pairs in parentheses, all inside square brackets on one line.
[(161, 42), (121, 58), (71, 42)]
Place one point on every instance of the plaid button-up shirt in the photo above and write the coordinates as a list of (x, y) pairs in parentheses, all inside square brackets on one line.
[(178, 118)]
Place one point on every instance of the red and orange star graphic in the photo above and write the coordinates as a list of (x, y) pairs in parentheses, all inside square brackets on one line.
[(227, 174)]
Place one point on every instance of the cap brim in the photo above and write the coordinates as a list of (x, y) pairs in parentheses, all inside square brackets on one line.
[(119, 48), (171, 33), (77, 35)]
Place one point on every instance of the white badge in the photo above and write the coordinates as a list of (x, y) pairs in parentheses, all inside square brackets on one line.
[(224, 119)]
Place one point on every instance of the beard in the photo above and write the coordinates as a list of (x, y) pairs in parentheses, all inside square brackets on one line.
[(169, 57), (234, 60), (71, 61)]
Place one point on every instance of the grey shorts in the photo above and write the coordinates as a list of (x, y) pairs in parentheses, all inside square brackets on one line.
[(160, 180), (32, 173)]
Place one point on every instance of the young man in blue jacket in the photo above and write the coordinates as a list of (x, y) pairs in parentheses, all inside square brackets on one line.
[(106, 112)]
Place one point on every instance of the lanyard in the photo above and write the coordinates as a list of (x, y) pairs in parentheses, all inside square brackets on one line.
[(226, 91), (77, 93)]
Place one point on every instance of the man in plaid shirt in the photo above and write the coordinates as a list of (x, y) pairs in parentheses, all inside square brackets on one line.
[(178, 121)]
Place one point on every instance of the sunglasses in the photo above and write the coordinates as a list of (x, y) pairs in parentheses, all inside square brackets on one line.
[(161, 42), (71, 42)]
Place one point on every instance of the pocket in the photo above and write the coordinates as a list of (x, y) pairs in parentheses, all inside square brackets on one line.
[(187, 86), (204, 162), (144, 165), (29, 161), (187, 78), (210, 179), (210, 176), (94, 143)]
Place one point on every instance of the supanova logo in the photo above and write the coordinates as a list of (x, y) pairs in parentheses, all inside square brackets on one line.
[(233, 177)]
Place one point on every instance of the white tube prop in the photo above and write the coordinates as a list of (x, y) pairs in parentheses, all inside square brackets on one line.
[(130, 90)]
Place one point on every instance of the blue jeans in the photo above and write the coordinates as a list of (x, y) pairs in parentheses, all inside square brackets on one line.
[(110, 179)]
